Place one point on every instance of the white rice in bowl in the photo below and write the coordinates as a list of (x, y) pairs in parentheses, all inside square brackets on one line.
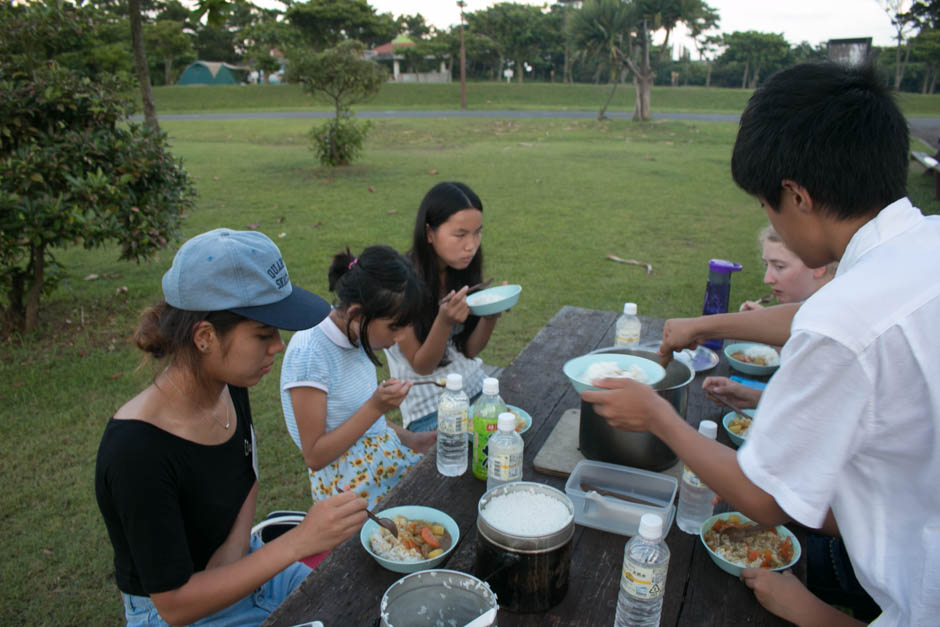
[(762, 355), (526, 513), (385, 545), (611, 370), (764, 549), (484, 299)]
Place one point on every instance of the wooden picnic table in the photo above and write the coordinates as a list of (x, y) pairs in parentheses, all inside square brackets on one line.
[(346, 588)]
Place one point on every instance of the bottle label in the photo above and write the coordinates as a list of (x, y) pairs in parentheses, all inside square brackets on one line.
[(642, 582), (691, 478), (452, 422), (627, 339), (505, 466)]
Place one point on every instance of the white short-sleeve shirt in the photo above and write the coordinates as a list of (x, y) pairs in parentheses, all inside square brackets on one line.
[(323, 357), (851, 420)]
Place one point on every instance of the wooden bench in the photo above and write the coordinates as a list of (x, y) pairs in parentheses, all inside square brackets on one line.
[(931, 166)]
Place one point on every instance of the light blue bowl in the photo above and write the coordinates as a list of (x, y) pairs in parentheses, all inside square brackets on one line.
[(735, 569), (508, 296), (743, 366), (737, 439), (411, 512), (575, 368)]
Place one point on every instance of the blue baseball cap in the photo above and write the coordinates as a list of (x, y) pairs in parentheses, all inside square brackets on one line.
[(242, 272)]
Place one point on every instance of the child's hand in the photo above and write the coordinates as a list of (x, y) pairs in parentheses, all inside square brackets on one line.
[(783, 594), (390, 394), (750, 305), (328, 523), (454, 306), (732, 391)]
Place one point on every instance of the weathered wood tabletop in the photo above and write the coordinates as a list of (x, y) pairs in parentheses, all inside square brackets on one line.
[(346, 589)]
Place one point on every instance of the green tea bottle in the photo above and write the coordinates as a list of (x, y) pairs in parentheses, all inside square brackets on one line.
[(485, 413)]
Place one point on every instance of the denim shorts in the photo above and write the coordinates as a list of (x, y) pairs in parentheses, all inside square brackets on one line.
[(252, 610)]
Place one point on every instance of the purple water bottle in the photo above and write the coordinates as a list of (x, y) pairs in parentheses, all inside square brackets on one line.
[(717, 292)]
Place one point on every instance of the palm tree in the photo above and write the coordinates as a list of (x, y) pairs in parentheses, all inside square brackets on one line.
[(601, 30)]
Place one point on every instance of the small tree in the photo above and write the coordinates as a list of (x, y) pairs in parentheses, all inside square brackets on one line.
[(342, 77), (71, 171)]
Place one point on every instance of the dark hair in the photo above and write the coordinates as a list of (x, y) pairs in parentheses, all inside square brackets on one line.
[(439, 204), (167, 332), (382, 282), (834, 130)]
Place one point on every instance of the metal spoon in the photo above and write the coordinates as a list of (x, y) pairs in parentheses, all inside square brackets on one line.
[(441, 383), (387, 523), (736, 533), (721, 401), (588, 487)]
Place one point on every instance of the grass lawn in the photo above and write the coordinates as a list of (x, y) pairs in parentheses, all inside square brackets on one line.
[(558, 196), (481, 95)]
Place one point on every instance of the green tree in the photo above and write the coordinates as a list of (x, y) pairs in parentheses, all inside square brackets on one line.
[(325, 23), (756, 51), (167, 39), (601, 30), (342, 77), (927, 51), (72, 171), (703, 23), (517, 31)]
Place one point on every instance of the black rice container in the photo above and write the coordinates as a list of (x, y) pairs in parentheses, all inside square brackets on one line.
[(598, 441), (527, 573)]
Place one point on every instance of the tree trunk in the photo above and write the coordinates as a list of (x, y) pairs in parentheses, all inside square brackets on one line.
[(923, 86), (644, 88), (756, 77), (933, 81), (708, 75), (747, 68), (602, 114), (502, 66), (520, 70), (167, 70), (897, 64), (140, 62), (907, 56), (37, 262)]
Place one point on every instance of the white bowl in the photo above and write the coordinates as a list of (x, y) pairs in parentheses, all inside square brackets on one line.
[(411, 512), (747, 367)]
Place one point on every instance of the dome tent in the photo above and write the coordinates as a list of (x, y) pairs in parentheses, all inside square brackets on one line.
[(212, 73)]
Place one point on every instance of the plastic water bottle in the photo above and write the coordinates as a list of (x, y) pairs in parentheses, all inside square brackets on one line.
[(453, 410), (695, 498), (628, 327), (643, 582), (485, 414), (718, 292), (504, 462)]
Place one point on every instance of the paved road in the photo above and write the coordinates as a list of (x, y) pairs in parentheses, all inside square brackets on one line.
[(925, 128)]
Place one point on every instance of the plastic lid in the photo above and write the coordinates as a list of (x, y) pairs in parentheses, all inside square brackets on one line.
[(708, 428), (506, 422), (723, 267), (454, 381), (491, 386), (629, 309), (651, 526)]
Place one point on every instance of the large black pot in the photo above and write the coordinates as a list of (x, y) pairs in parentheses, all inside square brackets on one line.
[(527, 573), (601, 442)]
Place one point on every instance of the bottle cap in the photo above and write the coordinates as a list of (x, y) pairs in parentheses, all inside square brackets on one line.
[(506, 422), (491, 386), (454, 381), (708, 428), (723, 267), (629, 309), (651, 526)]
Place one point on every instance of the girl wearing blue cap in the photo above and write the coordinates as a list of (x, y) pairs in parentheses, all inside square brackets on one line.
[(334, 407), (176, 477)]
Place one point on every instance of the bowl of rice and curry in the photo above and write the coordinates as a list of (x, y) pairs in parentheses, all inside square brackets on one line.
[(733, 547)]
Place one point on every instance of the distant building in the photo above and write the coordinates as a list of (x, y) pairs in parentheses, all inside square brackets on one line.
[(851, 52), (393, 51)]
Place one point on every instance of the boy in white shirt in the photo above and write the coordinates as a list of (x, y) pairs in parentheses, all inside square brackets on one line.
[(847, 437)]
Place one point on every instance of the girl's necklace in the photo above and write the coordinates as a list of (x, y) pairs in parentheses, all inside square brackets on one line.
[(215, 415)]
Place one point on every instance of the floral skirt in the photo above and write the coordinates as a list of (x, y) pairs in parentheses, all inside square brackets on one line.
[(369, 468)]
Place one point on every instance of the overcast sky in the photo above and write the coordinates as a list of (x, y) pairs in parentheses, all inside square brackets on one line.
[(815, 21)]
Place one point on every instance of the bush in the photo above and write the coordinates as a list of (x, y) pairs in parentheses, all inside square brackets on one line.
[(339, 141)]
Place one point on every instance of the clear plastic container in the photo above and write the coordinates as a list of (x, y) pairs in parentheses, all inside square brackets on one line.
[(453, 409), (643, 580), (485, 414), (504, 464)]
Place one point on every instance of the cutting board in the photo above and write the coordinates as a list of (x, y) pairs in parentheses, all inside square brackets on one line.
[(560, 454)]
